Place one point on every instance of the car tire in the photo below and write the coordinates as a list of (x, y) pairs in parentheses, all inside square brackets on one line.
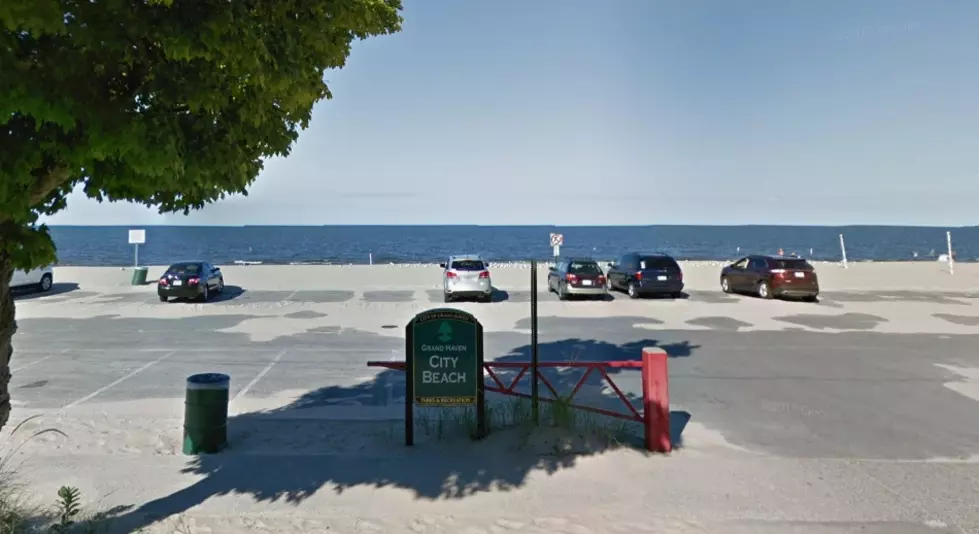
[(47, 281), (561, 293), (810, 298), (608, 284), (633, 291), (220, 288), (446, 298), (206, 295), (163, 299), (764, 290), (725, 284)]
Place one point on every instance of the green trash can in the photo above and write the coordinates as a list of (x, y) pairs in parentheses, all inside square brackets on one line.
[(206, 413), (139, 276)]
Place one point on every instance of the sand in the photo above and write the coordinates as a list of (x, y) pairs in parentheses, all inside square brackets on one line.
[(697, 276)]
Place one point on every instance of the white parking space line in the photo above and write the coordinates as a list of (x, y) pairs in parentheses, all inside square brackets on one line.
[(260, 375), (35, 362), (119, 381)]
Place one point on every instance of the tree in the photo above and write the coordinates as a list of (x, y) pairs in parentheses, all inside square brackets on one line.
[(167, 103)]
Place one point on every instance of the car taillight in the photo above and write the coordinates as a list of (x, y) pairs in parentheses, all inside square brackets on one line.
[(779, 273), (163, 281), (193, 281), (679, 276), (450, 274), (571, 277), (639, 275), (601, 279), (484, 274)]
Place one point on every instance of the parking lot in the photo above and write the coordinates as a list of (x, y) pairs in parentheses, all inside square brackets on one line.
[(825, 384)]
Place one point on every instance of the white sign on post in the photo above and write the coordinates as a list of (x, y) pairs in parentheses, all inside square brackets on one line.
[(136, 238), (556, 241)]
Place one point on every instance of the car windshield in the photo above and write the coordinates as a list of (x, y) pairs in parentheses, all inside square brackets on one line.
[(657, 262), (468, 265), (799, 265), (584, 267), (185, 268)]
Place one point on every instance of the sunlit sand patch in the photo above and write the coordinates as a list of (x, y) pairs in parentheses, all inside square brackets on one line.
[(969, 386)]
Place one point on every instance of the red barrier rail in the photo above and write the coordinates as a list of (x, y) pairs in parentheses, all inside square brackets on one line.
[(655, 388)]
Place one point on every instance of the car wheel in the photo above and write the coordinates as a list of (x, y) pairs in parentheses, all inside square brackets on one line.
[(163, 299), (220, 288), (561, 293), (46, 282), (810, 298), (725, 285), (446, 297), (633, 290), (206, 295), (764, 291), (608, 284)]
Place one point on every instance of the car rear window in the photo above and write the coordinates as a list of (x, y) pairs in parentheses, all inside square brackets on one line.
[(185, 268), (584, 267), (658, 262), (468, 265), (798, 265)]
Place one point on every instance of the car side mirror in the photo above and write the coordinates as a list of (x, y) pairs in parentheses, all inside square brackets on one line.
[(552, 269), (611, 265), (486, 264), (442, 265)]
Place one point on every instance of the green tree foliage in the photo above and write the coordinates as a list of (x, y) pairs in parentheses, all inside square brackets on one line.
[(166, 103)]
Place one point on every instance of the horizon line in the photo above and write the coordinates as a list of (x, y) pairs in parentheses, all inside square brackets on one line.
[(672, 225)]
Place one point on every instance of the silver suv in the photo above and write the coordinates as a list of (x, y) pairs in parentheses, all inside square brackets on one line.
[(466, 277)]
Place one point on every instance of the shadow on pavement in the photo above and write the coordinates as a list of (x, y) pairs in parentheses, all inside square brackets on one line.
[(290, 453), (229, 293), (58, 288)]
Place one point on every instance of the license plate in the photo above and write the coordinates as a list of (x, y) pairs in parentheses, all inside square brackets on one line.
[(661, 278), (586, 282), (800, 275), (177, 283)]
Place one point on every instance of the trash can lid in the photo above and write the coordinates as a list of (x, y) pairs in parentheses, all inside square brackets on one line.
[(208, 380)]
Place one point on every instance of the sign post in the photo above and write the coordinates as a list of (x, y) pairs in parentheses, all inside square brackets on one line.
[(444, 365), (136, 238), (556, 241)]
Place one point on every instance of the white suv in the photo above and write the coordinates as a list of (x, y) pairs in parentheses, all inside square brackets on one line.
[(41, 278)]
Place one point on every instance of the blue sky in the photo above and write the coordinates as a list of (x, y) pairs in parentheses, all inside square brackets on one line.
[(638, 112)]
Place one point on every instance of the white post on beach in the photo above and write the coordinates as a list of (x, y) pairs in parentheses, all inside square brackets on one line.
[(370, 258), (951, 262), (136, 238), (843, 250)]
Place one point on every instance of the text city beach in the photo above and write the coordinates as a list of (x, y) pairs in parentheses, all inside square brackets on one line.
[(436, 361)]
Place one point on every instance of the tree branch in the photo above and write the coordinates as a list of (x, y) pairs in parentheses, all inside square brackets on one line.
[(46, 183)]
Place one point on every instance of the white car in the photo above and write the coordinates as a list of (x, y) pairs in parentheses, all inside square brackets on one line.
[(41, 278)]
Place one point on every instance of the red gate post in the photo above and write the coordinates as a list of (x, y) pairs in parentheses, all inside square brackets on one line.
[(656, 400)]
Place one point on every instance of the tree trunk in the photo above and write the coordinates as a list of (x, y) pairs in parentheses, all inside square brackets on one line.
[(8, 325)]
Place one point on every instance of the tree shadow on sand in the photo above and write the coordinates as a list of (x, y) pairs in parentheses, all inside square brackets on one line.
[(290, 453)]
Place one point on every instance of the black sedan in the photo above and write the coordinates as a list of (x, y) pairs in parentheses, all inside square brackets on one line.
[(190, 279)]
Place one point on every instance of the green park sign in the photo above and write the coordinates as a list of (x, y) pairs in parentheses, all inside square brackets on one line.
[(444, 365), (445, 355)]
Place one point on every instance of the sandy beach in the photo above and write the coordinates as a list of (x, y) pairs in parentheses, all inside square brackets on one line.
[(854, 414), (704, 276)]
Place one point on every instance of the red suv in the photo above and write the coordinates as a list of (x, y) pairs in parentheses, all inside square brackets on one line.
[(771, 276)]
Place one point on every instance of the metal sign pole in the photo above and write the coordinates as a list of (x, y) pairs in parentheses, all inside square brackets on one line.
[(534, 384), (136, 255)]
